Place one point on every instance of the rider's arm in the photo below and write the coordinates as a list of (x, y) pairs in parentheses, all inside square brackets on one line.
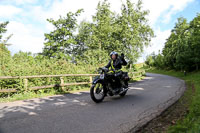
[(124, 62), (108, 65)]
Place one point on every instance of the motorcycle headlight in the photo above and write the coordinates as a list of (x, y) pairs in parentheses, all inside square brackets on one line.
[(102, 76)]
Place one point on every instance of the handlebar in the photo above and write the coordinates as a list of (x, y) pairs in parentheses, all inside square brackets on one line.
[(104, 69)]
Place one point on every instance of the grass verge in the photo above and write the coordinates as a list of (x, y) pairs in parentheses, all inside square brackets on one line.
[(40, 94), (184, 115)]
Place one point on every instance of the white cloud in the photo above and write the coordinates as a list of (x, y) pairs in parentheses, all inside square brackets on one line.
[(7, 11), (63, 7), (157, 43), (21, 2), (179, 5), (26, 38), (176, 6), (164, 8), (156, 11)]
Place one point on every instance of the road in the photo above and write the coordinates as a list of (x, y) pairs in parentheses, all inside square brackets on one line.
[(77, 113)]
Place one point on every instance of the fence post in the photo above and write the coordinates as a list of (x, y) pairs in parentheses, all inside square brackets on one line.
[(62, 83), (90, 81), (143, 72), (48, 80), (25, 84)]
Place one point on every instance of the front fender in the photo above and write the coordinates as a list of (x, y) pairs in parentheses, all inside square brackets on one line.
[(96, 80)]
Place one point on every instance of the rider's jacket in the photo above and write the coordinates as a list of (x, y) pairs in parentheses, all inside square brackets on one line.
[(116, 64)]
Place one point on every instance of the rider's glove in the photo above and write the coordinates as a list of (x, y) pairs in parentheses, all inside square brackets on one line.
[(122, 55)]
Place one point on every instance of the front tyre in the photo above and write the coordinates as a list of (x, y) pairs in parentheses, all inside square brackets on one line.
[(97, 92)]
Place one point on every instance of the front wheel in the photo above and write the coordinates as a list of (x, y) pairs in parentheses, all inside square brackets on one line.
[(97, 92)]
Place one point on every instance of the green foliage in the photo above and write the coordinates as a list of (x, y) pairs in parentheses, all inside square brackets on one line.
[(150, 60), (26, 64), (182, 48), (127, 32), (195, 41), (4, 52), (3, 29), (177, 51), (155, 60), (59, 43), (134, 30), (159, 61), (5, 57)]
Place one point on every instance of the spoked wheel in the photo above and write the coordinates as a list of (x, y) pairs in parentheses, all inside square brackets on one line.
[(97, 92)]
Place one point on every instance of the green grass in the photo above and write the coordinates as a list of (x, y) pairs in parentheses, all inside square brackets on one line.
[(40, 94), (25, 96), (191, 122)]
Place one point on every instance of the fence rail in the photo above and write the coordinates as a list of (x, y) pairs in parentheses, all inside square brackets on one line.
[(46, 76), (62, 83)]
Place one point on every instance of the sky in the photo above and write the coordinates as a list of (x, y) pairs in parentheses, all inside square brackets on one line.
[(27, 19)]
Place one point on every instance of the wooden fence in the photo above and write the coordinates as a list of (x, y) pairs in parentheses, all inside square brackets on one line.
[(62, 83)]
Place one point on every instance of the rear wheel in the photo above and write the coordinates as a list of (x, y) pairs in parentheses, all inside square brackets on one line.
[(97, 92)]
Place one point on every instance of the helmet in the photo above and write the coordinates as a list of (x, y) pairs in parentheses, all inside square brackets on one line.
[(113, 52)]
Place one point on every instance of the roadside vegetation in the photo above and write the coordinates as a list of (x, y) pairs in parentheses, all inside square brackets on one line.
[(180, 57), (183, 116), (182, 49), (76, 48)]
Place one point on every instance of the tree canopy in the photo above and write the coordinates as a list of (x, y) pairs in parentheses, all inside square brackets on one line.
[(126, 32), (182, 48)]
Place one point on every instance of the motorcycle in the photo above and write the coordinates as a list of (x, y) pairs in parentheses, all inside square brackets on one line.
[(107, 84)]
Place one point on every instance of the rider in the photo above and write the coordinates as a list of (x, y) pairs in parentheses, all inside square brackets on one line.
[(116, 63)]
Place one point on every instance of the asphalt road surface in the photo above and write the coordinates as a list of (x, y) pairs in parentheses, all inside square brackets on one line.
[(77, 113)]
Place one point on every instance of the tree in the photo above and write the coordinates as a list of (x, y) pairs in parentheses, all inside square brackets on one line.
[(135, 33), (3, 28), (176, 48), (127, 32), (4, 52), (182, 48), (149, 61), (195, 41), (84, 30), (60, 42)]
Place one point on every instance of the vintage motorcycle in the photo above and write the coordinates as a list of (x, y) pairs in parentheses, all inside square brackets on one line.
[(107, 84)]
